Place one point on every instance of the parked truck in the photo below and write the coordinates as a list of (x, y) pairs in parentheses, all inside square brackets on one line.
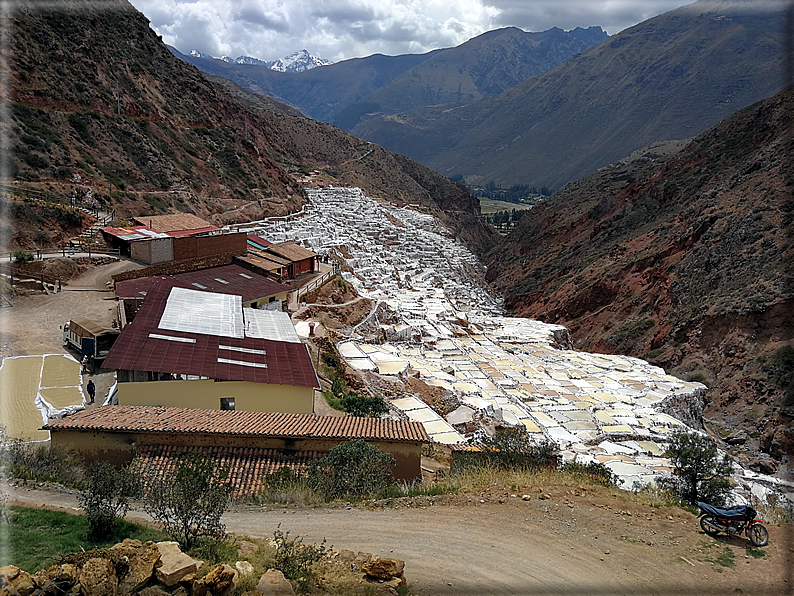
[(89, 338)]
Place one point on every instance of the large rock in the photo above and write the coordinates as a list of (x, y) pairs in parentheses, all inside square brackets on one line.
[(140, 560), (15, 582), (384, 568), (220, 580), (57, 579), (98, 578), (273, 583), (174, 564)]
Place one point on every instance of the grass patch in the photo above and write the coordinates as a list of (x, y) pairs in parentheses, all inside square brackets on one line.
[(726, 558), (36, 538), (755, 553)]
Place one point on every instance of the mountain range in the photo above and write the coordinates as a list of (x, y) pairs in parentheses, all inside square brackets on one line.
[(299, 61), (681, 253), (100, 100), (346, 92), (670, 77)]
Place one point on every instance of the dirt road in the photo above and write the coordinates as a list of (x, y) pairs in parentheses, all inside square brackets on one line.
[(568, 545)]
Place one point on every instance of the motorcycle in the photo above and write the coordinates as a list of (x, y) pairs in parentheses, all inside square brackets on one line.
[(733, 521)]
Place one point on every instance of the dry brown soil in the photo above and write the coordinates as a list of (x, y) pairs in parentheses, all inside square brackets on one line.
[(494, 543)]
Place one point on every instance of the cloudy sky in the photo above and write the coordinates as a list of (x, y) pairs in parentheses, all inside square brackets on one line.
[(342, 29)]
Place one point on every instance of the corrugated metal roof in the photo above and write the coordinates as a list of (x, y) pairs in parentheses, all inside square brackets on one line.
[(134, 233), (228, 279), (142, 347), (159, 419), (258, 241)]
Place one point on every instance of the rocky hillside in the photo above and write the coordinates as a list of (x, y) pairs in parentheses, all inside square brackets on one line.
[(100, 103), (347, 92), (681, 255), (670, 77)]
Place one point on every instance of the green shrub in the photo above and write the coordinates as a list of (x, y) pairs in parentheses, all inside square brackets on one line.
[(295, 559), (509, 448), (20, 257), (363, 405), (190, 504), (107, 497), (594, 472), (353, 469), (43, 463)]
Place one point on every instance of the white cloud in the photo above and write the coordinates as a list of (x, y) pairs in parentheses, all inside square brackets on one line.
[(341, 29)]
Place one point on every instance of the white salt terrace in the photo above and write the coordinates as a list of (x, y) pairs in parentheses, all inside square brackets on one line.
[(596, 407)]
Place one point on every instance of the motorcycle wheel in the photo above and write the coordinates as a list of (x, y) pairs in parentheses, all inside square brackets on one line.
[(758, 535), (709, 526)]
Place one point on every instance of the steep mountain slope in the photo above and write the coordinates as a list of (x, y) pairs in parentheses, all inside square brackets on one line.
[(345, 92), (669, 77), (320, 93), (482, 67), (682, 256), (99, 102)]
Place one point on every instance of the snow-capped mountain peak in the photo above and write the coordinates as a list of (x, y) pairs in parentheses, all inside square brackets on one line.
[(296, 62)]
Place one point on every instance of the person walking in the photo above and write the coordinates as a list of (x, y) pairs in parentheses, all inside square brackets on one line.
[(91, 388)]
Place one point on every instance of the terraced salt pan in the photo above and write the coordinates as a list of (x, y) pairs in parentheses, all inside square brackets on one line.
[(499, 364)]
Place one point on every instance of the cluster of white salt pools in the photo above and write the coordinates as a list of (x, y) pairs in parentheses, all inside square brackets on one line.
[(451, 333)]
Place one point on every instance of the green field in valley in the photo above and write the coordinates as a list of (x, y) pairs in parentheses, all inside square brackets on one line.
[(488, 206)]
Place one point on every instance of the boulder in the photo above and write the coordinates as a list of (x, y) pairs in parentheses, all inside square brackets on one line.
[(384, 568), (273, 583), (57, 579), (220, 580), (98, 578), (140, 560), (244, 568), (15, 582), (174, 564)]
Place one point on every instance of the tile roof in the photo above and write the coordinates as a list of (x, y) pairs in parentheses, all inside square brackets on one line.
[(174, 222), (144, 346), (248, 466), (160, 419), (290, 250), (227, 279)]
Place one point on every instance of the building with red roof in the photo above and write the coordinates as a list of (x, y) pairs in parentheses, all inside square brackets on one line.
[(253, 444), (198, 349)]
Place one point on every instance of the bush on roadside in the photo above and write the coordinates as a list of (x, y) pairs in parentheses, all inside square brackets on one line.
[(295, 559), (350, 470), (190, 503), (592, 473), (509, 448), (699, 473), (363, 406), (107, 497), (42, 463)]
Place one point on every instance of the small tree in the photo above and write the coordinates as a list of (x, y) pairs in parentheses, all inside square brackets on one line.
[(190, 504), (107, 497), (352, 469), (511, 447), (364, 405), (699, 473)]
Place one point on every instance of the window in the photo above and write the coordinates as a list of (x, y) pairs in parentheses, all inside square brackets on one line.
[(227, 403)]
